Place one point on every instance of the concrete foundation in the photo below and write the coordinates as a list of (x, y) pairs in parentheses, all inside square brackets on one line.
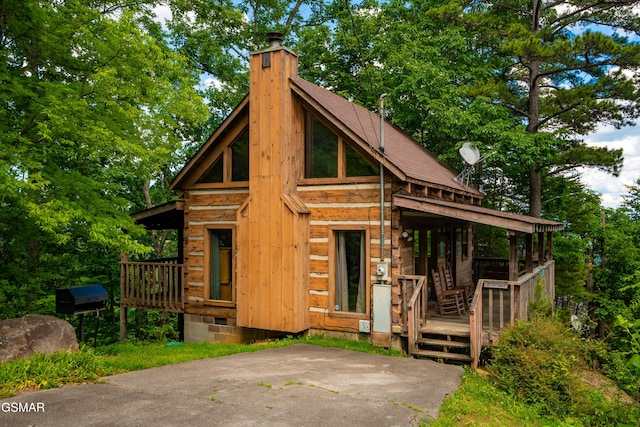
[(199, 328)]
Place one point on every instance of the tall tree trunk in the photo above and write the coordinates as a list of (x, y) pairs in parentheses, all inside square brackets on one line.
[(535, 192), (535, 176), (533, 110)]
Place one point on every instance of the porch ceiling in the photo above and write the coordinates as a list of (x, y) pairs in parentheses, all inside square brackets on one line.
[(477, 214), (168, 216)]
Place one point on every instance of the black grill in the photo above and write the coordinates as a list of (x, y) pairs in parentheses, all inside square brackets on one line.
[(81, 299)]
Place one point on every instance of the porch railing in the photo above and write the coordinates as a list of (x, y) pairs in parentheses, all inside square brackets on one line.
[(151, 285), (506, 301), (414, 306)]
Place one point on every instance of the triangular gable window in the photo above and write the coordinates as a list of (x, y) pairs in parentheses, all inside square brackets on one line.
[(240, 157), (214, 174), (236, 166), (358, 165)]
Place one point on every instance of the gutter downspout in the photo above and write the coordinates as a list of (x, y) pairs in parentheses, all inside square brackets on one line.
[(382, 177)]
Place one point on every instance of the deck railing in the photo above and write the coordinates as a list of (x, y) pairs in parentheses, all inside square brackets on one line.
[(152, 285), (414, 306), (498, 303)]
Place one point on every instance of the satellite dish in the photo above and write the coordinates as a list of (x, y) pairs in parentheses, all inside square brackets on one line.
[(472, 160), (469, 153)]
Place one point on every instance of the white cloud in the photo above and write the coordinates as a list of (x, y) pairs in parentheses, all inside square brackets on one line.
[(613, 188), (214, 83), (163, 13)]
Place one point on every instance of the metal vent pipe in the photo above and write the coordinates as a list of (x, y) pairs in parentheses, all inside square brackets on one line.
[(275, 39)]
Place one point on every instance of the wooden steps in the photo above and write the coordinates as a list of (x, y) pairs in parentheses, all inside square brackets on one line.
[(444, 339), (444, 343), (446, 356)]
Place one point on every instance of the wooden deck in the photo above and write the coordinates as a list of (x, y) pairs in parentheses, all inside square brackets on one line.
[(495, 305)]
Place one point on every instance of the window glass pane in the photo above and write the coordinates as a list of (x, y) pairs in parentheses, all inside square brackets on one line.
[(351, 274), (220, 279), (321, 151), (214, 173), (358, 165), (240, 157)]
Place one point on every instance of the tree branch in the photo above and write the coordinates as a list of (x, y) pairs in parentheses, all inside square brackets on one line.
[(293, 13)]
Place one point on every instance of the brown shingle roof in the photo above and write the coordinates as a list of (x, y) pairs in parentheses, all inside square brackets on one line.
[(400, 150)]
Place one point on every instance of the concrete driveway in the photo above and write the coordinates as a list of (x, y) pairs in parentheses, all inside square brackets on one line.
[(299, 385)]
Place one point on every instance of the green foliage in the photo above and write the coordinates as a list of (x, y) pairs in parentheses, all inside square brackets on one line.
[(154, 326), (541, 307), (630, 341), (90, 97), (49, 371), (571, 256), (479, 402), (613, 364), (96, 105), (542, 364), (530, 363)]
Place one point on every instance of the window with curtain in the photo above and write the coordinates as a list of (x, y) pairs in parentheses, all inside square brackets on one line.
[(351, 272), (220, 268)]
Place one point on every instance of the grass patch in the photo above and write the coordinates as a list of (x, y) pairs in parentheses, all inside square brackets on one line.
[(49, 371), (324, 388), (406, 405), (134, 357), (477, 402), (346, 344)]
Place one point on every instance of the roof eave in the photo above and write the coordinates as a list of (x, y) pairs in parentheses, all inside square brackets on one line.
[(477, 214)]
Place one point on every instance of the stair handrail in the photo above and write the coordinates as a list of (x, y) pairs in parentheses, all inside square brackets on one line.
[(416, 312), (475, 325)]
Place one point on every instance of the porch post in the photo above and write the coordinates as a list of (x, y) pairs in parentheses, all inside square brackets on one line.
[(549, 245), (541, 255), (529, 252), (181, 245), (513, 255)]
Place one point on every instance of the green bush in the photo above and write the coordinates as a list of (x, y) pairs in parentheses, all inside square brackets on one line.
[(542, 364), (534, 361)]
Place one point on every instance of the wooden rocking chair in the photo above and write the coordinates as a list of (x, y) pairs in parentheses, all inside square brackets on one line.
[(450, 301), (445, 272)]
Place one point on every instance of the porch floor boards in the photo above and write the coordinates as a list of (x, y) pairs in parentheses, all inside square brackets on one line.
[(452, 325)]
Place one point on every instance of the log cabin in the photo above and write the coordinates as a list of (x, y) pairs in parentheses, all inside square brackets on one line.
[(306, 213)]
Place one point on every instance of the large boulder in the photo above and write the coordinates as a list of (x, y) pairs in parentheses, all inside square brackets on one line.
[(33, 334)]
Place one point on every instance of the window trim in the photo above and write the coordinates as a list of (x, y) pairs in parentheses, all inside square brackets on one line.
[(332, 272), (207, 266)]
